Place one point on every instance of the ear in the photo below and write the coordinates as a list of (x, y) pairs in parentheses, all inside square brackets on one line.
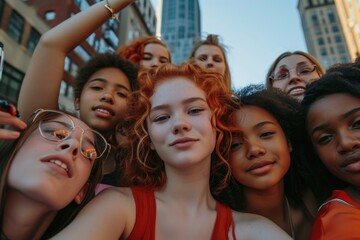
[(77, 104), (81, 195)]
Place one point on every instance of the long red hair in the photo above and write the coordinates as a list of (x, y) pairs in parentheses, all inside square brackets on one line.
[(143, 166), (134, 51)]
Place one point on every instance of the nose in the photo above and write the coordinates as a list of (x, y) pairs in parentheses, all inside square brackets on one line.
[(347, 141), (181, 124), (107, 97), (155, 62), (70, 145), (209, 64), (254, 149), (294, 77)]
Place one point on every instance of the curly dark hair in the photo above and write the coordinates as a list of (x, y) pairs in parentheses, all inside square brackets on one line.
[(340, 78), (286, 111), (105, 60)]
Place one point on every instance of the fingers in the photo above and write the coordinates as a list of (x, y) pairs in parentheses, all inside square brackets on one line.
[(8, 119)]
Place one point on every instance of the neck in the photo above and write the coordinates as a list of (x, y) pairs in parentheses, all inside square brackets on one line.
[(188, 187), (270, 203), (24, 218), (354, 193)]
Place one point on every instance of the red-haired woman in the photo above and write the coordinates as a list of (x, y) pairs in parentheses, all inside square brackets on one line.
[(178, 139), (146, 52)]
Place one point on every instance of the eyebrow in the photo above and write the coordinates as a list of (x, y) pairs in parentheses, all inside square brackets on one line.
[(298, 64), (103, 80), (260, 124), (343, 116), (186, 101)]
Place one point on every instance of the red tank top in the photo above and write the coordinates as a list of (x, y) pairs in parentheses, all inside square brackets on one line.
[(144, 227)]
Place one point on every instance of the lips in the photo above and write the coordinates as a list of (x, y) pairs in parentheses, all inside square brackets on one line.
[(296, 91), (103, 111), (60, 163), (257, 166), (351, 162), (183, 141)]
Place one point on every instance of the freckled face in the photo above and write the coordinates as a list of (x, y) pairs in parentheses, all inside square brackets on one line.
[(180, 125), (260, 157)]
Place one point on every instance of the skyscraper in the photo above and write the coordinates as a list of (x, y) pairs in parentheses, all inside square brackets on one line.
[(180, 26), (331, 29)]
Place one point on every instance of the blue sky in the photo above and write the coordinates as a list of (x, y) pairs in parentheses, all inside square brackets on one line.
[(255, 32)]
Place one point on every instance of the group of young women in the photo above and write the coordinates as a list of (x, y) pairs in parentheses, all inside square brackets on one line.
[(190, 157)]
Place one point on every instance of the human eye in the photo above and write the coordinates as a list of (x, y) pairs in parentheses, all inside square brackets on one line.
[(306, 69), (164, 60), (56, 134), (202, 58), (161, 118), (324, 139), (267, 134), (96, 87), (356, 124), (122, 94), (281, 74), (147, 56), (218, 59), (195, 110), (236, 144)]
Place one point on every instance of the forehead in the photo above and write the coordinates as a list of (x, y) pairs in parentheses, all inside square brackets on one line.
[(112, 75), (156, 48), (331, 107), (175, 89), (292, 61), (208, 50), (250, 116)]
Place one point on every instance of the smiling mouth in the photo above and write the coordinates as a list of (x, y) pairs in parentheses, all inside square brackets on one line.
[(296, 91), (60, 164)]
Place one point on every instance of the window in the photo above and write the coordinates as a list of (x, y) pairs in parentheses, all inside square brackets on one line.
[(321, 41), (11, 82), (338, 39), (341, 49), (335, 29), (33, 40), (332, 18), (16, 26), (315, 19), (323, 52), (67, 64), (63, 88), (2, 4), (49, 15)]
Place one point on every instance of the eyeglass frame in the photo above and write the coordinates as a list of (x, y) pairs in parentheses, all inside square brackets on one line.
[(272, 78), (73, 127)]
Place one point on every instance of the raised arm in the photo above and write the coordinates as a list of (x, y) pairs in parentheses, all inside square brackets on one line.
[(41, 85)]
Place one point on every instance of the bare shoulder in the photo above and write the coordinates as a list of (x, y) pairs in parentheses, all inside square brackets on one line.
[(110, 215), (252, 226)]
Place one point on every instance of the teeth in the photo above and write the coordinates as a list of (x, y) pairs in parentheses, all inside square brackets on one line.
[(103, 110), (60, 164), (297, 90)]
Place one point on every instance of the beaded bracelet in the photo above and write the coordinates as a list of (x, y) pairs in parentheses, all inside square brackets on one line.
[(113, 15)]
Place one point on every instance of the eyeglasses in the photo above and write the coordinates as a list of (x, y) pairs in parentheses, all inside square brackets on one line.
[(56, 126), (301, 70)]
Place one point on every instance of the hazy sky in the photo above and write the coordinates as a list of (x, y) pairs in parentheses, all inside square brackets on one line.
[(255, 32)]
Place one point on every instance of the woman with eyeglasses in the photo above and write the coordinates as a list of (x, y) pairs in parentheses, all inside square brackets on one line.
[(178, 140), (291, 72), (48, 174)]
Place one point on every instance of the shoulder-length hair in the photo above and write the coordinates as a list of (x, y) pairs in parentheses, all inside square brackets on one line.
[(144, 167), (9, 149)]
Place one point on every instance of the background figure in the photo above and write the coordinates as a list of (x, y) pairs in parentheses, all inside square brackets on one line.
[(332, 116), (102, 86), (146, 52), (211, 54), (48, 174), (291, 72), (178, 137), (265, 159)]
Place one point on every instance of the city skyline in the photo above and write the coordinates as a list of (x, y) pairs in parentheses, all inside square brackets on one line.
[(264, 30)]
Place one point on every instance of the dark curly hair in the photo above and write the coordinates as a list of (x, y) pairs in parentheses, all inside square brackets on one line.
[(286, 111), (340, 78), (105, 60)]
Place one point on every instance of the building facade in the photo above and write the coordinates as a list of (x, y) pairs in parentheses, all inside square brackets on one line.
[(23, 22), (180, 27), (331, 29)]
